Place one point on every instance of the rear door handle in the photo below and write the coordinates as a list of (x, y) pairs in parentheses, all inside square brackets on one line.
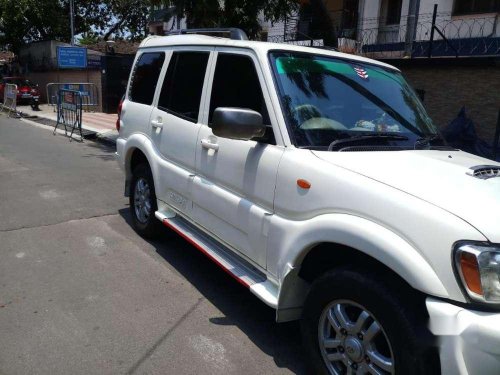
[(157, 123), (205, 143)]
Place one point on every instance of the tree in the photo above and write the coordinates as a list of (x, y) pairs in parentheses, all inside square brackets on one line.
[(31, 20), (118, 17), (233, 13), (88, 39), (25, 21)]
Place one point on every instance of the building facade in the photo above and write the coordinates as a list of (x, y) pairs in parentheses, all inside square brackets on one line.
[(397, 28)]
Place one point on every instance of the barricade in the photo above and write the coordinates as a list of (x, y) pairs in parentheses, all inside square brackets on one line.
[(10, 98), (88, 91), (69, 112)]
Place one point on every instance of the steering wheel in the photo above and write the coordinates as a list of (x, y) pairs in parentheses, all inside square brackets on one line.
[(322, 123), (306, 112)]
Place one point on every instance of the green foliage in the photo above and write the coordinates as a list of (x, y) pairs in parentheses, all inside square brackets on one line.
[(24, 21), (118, 17), (233, 13), (88, 39)]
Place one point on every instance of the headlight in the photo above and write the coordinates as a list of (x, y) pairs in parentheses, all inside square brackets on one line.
[(479, 268)]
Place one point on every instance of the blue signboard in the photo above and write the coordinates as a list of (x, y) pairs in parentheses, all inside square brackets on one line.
[(71, 57)]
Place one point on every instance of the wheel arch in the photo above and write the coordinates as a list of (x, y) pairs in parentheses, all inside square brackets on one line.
[(338, 240), (134, 155), (321, 258)]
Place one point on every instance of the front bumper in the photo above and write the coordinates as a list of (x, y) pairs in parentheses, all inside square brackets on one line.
[(469, 341)]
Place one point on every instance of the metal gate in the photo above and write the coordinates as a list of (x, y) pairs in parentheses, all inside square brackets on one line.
[(10, 98), (69, 112), (116, 70), (88, 93)]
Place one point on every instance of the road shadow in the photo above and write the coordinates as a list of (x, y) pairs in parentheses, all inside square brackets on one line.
[(104, 150), (240, 307)]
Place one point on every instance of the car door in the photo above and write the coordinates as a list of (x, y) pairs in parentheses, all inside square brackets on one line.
[(233, 191), (175, 124), (136, 110)]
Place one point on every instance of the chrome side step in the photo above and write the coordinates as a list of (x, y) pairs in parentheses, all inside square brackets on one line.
[(225, 258)]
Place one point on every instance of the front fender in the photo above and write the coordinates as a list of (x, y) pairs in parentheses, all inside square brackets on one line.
[(295, 238)]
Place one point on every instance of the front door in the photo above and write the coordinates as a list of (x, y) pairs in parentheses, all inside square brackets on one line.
[(233, 191), (175, 125)]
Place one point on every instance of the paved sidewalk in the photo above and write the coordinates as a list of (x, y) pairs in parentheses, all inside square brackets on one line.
[(103, 124)]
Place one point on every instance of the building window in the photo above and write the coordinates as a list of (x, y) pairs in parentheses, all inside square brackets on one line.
[(391, 12), (476, 6)]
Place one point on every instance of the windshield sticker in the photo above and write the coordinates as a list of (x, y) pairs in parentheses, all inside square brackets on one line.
[(360, 72), (298, 65)]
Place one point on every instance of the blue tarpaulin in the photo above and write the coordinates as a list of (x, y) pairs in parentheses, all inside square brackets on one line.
[(461, 133)]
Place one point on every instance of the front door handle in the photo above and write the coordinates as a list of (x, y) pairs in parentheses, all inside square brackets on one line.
[(205, 143), (158, 123)]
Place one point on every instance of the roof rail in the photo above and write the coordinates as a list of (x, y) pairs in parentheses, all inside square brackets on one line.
[(234, 33)]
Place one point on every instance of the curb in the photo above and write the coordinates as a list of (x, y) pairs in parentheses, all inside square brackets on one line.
[(88, 133)]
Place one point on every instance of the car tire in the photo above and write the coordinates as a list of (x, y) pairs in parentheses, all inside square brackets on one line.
[(402, 344), (143, 203)]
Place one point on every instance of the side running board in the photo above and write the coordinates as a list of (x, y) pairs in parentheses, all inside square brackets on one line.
[(225, 258)]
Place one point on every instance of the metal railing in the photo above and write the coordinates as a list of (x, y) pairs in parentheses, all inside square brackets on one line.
[(10, 99), (295, 30), (437, 35), (69, 112), (88, 92)]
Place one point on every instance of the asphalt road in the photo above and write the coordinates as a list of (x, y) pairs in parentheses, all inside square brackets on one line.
[(82, 293)]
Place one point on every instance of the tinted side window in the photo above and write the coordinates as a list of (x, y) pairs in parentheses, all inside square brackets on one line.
[(145, 77), (236, 84), (183, 84)]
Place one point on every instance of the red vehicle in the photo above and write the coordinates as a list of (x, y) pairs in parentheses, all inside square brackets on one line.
[(26, 90)]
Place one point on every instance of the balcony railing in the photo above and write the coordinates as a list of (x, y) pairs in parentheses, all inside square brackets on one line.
[(452, 36)]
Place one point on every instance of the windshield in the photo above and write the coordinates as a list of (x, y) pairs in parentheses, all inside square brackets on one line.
[(327, 99)]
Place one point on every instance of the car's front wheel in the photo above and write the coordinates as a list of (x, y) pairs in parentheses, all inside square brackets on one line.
[(143, 202), (353, 323)]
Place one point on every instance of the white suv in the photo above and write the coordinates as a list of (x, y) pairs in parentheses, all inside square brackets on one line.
[(317, 180)]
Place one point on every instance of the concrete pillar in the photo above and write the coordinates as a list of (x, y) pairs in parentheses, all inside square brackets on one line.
[(411, 26)]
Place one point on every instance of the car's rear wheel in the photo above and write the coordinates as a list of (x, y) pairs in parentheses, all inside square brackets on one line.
[(143, 202), (353, 323)]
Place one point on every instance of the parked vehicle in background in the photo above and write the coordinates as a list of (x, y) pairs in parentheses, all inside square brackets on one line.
[(27, 92), (317, 180)]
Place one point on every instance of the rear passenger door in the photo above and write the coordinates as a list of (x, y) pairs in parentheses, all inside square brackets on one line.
[(234, 190), (143, 82), (175, 123)]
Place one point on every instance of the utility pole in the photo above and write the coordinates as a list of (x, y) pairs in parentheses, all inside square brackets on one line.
[(71, 18), (411, 26)]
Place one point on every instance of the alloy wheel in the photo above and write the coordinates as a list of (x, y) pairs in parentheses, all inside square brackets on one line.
[(352, 341), (142, 200)]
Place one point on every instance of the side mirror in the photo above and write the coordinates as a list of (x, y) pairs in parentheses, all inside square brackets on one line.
[(237, 123)]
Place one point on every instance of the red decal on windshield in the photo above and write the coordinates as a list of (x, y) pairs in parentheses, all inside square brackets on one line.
[(361, 72)]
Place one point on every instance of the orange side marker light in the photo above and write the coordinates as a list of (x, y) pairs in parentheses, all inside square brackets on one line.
[(304, 184), (470, 270)]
